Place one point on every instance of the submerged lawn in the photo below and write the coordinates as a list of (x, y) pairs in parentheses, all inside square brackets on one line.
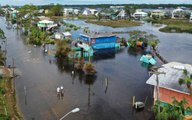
[(115, 23)]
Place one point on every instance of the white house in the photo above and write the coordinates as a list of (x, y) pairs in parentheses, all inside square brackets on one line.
[(177, 13), (93, 11), (158, 12), (76, 11), (67, 35), (58, 36), (46, 24), (140, 14), (190, 19), (86, 12), (117, 7), (122, 15), (67, 11)]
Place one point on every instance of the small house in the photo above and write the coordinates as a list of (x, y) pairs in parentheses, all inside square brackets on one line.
[(190, 19), (58, 36), (66, 35), (99, 40), (169, 84), (140, 15), (41, 11), (178, 13), (76, 11), (93, 11), (86, 12), (107, 13), (158, 13), (67, 11), (122, 15), (46, 24)]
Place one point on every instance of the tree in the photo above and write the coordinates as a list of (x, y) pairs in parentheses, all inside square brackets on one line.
[(27, 9), (2, 34), (2, 12), (141, 36), (99, 16), (130, 10), (36, 36), (136, 36), (89, 68), (174, 111), (153, 41), (56, 10), (62, 49), (2, 56), (187, 80)]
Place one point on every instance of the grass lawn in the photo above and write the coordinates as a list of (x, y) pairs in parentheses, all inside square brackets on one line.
[(174, 25), (115, 23), (8, 108)]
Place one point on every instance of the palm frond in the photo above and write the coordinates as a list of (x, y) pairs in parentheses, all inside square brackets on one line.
[(185, 72), (182, 81)]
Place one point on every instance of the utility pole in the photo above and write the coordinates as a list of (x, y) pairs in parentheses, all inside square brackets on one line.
[(13, 76), (155, 71)]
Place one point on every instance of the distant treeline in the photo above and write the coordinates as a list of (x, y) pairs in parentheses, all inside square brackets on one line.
[(141, 6)]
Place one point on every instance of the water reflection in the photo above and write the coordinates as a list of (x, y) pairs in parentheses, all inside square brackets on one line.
[(104, 54), (136, 51)]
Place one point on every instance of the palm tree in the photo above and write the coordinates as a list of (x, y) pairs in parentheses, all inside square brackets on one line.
[(153, 41), (89, 68), (187, 80)]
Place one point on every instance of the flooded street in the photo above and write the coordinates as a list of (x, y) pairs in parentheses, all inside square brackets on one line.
[(41, 75)]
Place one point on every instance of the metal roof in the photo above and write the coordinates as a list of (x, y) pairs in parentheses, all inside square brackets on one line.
[(169, 80)]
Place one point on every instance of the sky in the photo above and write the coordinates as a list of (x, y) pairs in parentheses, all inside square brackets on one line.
[(69, 2)]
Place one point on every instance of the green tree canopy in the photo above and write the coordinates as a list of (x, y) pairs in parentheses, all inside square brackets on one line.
[(187, 80), (2, 34), (56, 10), (174, 111), (142, 36), (130, 10), (62, 49), (27, 9)]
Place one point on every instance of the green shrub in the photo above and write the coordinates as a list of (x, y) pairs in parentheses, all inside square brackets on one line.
[(68, 29), (2, 91)]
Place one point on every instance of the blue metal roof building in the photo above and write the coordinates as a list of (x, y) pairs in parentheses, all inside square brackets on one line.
[(100, 41)]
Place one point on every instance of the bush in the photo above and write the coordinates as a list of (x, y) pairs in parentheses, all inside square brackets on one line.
[(68, 29), (4, 117), (2, 91)]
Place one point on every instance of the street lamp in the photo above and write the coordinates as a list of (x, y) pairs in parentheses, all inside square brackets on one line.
[(72, 111)]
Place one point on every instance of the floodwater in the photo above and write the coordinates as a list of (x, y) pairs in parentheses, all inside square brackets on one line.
[(41, 75)]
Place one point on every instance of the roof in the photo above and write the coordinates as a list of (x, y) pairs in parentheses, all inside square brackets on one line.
[(157, 11), (46, 21), (142, 13), (169, 80), (177, 10), (66, 34), (98, 35)]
